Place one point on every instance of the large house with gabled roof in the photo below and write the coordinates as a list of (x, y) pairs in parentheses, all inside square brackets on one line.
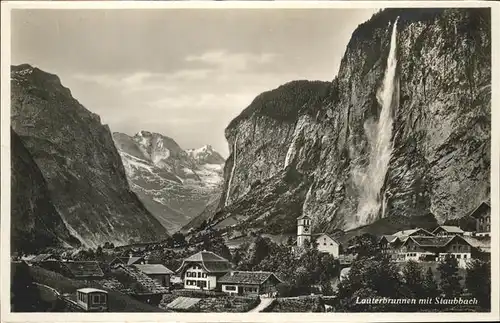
[(202, 270), (419, 248)]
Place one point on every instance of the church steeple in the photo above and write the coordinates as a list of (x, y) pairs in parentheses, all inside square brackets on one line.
[(303, 230)]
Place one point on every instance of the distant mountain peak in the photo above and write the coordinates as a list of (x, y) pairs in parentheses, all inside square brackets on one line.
[(206, 155), (174, 184)]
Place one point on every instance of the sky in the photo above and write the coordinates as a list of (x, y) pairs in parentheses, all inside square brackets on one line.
[(184, 73)]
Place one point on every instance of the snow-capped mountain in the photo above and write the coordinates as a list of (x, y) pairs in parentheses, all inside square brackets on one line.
[(206, 155), (174, 184)]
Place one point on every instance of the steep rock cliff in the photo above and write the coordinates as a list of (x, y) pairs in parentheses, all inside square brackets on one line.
[(440, 136), (77, 157), (35, 222)]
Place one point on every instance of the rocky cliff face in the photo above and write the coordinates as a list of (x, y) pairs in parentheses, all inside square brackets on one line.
[(300, 149), (35, 224), (77, 158), (175, 185)]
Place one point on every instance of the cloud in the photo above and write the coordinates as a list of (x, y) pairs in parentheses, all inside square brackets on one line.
[(224, 60)]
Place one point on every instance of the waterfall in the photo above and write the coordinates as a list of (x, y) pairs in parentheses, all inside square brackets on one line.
[(232, 171), (370, 180)]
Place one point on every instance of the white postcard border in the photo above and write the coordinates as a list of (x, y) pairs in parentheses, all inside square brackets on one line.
[(6, 316)]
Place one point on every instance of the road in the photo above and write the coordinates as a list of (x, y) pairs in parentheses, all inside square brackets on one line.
[(264, 303)]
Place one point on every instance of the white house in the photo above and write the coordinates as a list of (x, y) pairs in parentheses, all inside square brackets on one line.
[(202, 270), (328, 244)]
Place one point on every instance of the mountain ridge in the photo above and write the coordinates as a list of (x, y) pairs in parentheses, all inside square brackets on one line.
[(77, 158)]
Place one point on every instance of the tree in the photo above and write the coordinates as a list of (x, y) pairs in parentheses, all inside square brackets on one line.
[(450, 280), (413, 280), (365, 245), (429, 284), (98, 252), (370, 277), (326, 288), (179, 239), (260, 252), (289, 241), (236, 259), (478, 282)]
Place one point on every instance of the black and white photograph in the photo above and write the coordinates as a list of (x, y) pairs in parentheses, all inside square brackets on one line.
[(259, 160)]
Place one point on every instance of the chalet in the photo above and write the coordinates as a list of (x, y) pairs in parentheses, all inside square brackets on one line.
[(83, 269), (448, 230), (482, 215), (92, 299), (202, 270), (130, 260), (249, 283), (385, 241), (328, 244), (423, 248), (157, 272)]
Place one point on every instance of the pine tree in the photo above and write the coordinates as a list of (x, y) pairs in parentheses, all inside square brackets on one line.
[(413, 280), (478, 282), (450, 279), (429, 284)]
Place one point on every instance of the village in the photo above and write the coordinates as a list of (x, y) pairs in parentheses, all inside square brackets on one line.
[(203, 280)]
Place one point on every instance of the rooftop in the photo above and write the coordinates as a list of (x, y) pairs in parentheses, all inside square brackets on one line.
[(476, 213), (247, 277), (154, 269), (432, 241), (183, 303), (91, 290), (80, 269), (450, 229), (404, 233), (205, 256), (209, 261), (481, 244), (128, 260), (331, 236)]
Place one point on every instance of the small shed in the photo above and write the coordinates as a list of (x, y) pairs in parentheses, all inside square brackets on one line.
[(92, 299), (157, 272)]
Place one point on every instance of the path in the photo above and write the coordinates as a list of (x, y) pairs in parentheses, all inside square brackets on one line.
[(264, 303)]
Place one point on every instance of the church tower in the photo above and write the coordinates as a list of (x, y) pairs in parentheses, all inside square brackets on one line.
[(303, 230)]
